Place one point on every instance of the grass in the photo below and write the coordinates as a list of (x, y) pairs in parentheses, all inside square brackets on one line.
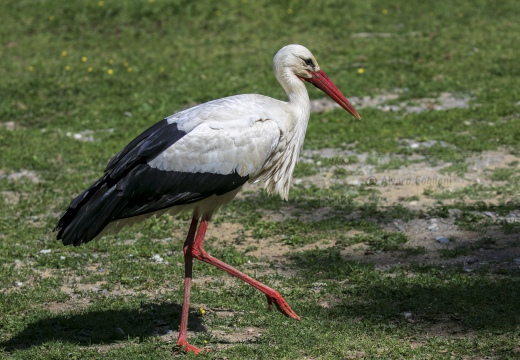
[(105, 70)]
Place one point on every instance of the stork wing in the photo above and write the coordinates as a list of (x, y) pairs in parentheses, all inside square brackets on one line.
[(212, 159), (165, 167)]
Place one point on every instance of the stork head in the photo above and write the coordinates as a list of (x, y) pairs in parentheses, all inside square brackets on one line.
[(297, 62)]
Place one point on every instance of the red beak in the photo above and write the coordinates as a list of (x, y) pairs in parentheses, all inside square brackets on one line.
[(322, 82)]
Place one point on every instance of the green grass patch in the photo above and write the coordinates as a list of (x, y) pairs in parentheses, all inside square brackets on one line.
[(81, 79)]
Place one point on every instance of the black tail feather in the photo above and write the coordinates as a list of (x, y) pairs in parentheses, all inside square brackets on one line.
[(89, 213)]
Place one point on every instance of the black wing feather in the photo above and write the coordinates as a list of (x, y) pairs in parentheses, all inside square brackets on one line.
[(145, 147), (130, 187), (137, 142)]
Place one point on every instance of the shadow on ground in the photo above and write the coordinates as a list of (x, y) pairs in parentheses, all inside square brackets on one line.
[(421, 294), (103, 326)]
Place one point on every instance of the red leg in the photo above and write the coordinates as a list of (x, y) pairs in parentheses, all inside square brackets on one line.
[(182, 341), (273, 296)]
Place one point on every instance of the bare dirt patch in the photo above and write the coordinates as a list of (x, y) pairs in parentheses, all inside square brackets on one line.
[(388, 102), (230, 337), (22, 174), (406, 186), (61, 307), (408, 181)]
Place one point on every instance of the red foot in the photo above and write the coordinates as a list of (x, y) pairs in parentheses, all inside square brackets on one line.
[(185, 347), (281, 305)]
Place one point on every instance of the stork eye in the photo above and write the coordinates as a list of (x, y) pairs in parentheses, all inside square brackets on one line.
[(309, 62)]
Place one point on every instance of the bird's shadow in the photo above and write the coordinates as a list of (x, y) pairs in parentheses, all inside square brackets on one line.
[(102, 326)]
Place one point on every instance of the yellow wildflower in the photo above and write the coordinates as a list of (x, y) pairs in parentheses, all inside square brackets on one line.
[(202, 311), (84, 59), (151, 1), (101, 3), (130, 69), (161, 69), (384, 11), (89, 69), (67, 68), (360, 71), (110, 71), (30, 68), (64, 53), (289, 11)]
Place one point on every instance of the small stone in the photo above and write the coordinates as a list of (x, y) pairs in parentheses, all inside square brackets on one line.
[(62, 257), (17, 261), (18, 283), (157, 258), (454, 212), (120, 332), (128, 114), (407, 315), (45, 251), (433, 227), (516, 261), (489, 214), (442, 239)]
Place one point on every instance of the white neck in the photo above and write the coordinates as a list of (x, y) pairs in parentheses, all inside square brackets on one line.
[(297, 93), (278, 179)]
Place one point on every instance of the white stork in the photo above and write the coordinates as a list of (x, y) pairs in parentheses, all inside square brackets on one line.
[(198, 160)]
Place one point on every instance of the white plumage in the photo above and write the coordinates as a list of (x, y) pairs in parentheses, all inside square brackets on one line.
[(225, 142), (198, 160)]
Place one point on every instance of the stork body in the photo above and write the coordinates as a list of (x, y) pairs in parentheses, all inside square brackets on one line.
[(198, 160)]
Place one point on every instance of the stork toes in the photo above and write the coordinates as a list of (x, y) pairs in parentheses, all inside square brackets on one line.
[(281, 305), (183, 346)]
